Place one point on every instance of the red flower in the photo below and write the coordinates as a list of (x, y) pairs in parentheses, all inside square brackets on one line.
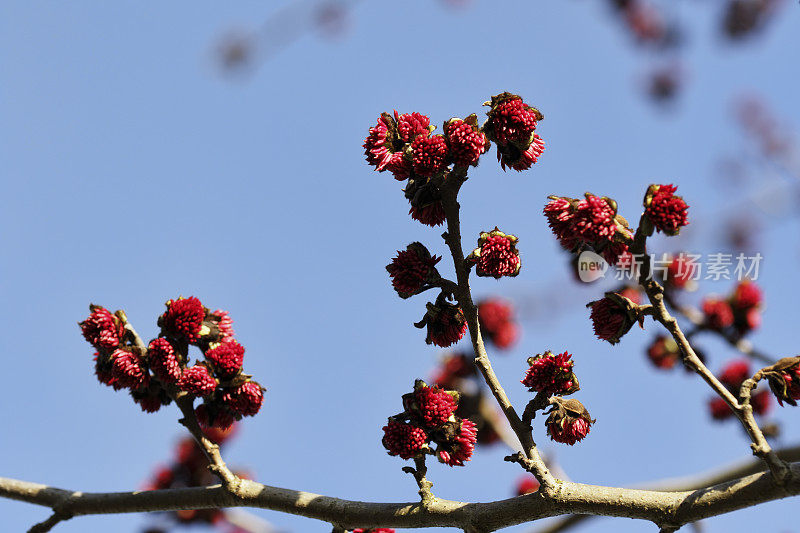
[(198, 381), (568, 422), (719, 409), (612, 317), (403, 439), (127, 369), (434, 406), (445, 322), (746, 295), (212, 415), (680, 271), (411, 125), (226, 358), (163, 360), (497, 322), (412, 269), (496, 255), (460, 449), (246, 399), (429, 155), (224, 322), (102, 329), (431, 214), (592, 221), (183, 319), (663, 352), (466, 141), (527, 485), (453, 368), (734, 374), (784, 380), (666, 211), (718, 313), (551, 374), (384, 145), (511, 126)]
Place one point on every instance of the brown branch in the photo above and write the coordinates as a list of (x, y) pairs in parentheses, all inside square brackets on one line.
[(671, 508), (463, 294), (743, 411)]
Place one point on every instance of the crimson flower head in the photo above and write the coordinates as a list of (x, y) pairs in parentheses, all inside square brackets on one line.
[(226, 357), (784, 380), (734, 374), (164, 361), (663, 352), (667, 212), (459, 445), (746, 295), (761, 402), (452, 369), (385, 143), (718, 313), (511, 126), (198, 381), (551, 374), (127, 369), (680, 272), (465, 140), (244, 399), (411, 125), (404, 439), (223, 321), (527, 485), (612, 317), (426, 202), (592, 222), (183, 319), (214, 415), (497, 323), (412, 269), (102, 329), (429, 155), (718, 409), (568, 421), (496, 255), (446, 323), (433, 406)]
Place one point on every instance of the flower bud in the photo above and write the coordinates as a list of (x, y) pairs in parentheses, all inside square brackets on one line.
[(496, 255), (568, 421)]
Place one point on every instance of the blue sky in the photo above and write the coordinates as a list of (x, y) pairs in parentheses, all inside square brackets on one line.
[(134, 172)]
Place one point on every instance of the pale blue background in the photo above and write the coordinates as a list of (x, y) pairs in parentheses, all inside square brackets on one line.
[(134, 172)]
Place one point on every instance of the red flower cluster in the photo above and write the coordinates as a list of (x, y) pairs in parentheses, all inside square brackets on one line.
[(527, 485), (663, 352), (412, 270), (680, 272), (467, 142), (452, 370), (784, 380), (154, 374), (568, 422), (496, 319), (511, 125), (733, 376), (189, 468), (612, 317), (741, 311), (667, 212), (496, 255), (445, 322), (592, 222), (551, 374), (384, 147), (429, 419)]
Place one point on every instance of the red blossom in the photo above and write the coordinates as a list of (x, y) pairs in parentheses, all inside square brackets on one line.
[(497, 323), (719, 409), (460, 450), (496, 255), (198, 381), (183, 319), (224, 322), (568, 422), (214, 416), (746, 295), (226, 358), (734, 374), (435, 405), (551, 374), (102, 329), (403, 439), (527, 485), (511, 126), (663, 352), (127, 369), (411, 125), (591, 221), (611, 317), (718, 313), (430, 155), (521, 160), (245, 400), (667, 212), (761, 402), (411, 269), (452, 369), (384, 146), (431, 214), (163, 360), (465, 140), (680, 271), (445, 322)]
